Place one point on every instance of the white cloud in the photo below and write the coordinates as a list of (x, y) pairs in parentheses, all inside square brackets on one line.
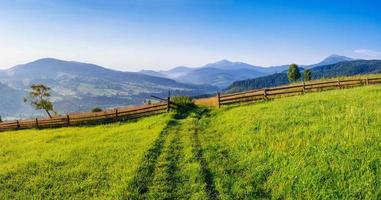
[(367, 53)]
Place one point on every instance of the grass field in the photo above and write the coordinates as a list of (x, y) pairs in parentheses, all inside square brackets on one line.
[(92, 162), (318, 146)]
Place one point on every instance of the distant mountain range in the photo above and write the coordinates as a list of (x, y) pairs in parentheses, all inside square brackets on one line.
[(80, 86), (346, 68), (223, 73)]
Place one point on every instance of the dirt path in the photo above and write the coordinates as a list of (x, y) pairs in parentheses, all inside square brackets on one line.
[(174, 166)]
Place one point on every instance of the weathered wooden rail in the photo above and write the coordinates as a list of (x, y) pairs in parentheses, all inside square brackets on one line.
[(77, 119), (288, 90)]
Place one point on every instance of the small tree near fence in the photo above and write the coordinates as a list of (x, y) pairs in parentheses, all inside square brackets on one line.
[(96, 109), (39, 98), (293, 73), (307, 75)]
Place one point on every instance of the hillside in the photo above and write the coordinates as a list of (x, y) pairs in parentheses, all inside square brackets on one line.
[(81, 86), (348, 68), (319, 145)]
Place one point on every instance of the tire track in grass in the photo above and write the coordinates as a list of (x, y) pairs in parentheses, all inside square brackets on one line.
[(138, 187), (173, 157), (159, 175), (166, 180), (206, 173)]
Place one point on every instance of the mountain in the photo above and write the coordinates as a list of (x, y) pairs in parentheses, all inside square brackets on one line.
[(81, 86), (223, 73), (346, 68), (228, 65), (333, 59), (219, 74), (152, 73)]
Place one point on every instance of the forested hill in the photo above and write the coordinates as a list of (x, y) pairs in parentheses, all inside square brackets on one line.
[(348, 68)]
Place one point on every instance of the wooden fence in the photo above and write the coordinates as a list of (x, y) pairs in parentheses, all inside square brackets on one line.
[(77, 119), (276, 92), (120, 114)]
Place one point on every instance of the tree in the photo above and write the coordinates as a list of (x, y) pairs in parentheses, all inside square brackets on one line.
[(39, 98), (307, 75), (1, 119), (96, 109), (293, 73)]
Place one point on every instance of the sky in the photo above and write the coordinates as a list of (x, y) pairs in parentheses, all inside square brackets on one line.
[(131, 35)]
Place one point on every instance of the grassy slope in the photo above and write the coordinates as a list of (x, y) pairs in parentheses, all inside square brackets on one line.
[(321, 145), (96, 162)]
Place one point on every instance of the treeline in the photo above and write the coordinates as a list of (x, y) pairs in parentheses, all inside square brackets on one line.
[(349, 68)]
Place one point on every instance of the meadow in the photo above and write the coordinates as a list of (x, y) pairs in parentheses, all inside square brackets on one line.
[(324, 145), (317, 146), (84, 162)]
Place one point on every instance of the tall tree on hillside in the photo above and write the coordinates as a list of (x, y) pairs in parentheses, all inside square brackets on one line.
[(39, 98), (307, 75), (293, 73)]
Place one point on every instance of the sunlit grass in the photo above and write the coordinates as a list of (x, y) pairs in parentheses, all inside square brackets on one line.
[(318, 146), (324, 145), (96, 162)]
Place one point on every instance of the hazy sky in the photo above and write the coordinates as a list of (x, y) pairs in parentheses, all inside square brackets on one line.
[(159, 34)]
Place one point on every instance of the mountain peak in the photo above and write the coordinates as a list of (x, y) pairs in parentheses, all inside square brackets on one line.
[(336, 57), (223, 61), (229, 65), (333, 59)]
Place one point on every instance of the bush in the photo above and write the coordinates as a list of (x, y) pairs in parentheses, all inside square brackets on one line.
[(182, 100), (96, 109)]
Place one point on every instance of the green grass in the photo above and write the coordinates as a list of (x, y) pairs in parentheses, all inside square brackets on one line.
[(317, 146), (88, 162)]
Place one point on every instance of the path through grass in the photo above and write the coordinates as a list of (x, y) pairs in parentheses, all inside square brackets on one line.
[(177, 169), (317, 146)]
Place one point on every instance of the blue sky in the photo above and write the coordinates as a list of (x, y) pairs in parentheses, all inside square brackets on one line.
[(159, 34)]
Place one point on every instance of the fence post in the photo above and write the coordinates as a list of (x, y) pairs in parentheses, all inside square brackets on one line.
[(218, 100), (169, 101), (17, 124), (116, 114), (338, 84), (265, 93), (67, 120), (367, 81), (36, 122), (168, 104), (304, 87)]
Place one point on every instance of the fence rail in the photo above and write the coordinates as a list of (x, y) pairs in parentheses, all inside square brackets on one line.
[(288, 90), (76, 119)]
